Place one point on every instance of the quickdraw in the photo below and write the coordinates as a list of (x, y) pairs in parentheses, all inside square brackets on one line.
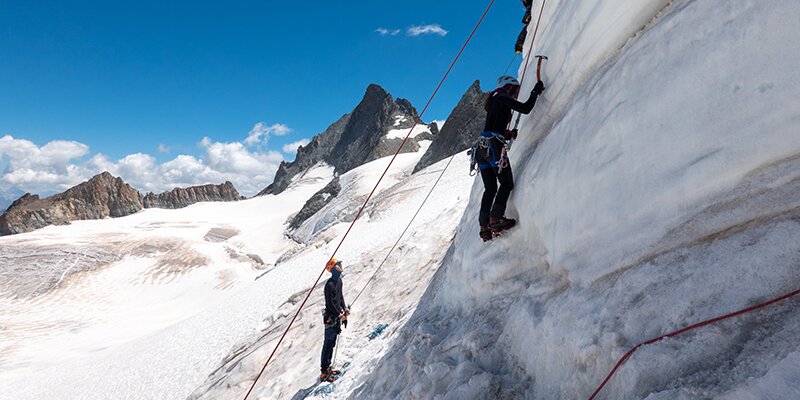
[(473, 163), (502, 162)]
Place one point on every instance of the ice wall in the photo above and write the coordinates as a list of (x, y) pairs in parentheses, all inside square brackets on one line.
[(657, 185)]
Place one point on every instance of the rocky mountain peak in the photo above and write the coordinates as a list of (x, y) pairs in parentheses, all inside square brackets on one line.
[(102, 196), (356, 138), (461, 129), (182, 197)]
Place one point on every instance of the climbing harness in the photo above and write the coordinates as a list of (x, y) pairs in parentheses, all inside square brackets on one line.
[(508, 142), (484, 146), (366, 201), (329, 320)]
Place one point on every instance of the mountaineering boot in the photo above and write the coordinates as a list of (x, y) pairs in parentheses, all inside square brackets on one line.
[(486, 233), (329, 375), (501, 224), (326, 377)]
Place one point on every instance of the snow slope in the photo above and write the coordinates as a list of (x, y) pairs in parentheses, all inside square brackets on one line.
[(389, 299)]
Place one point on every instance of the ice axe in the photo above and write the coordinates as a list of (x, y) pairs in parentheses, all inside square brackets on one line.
[(539, 66)]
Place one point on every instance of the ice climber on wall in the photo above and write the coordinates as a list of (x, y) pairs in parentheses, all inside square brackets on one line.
[(489, 152)]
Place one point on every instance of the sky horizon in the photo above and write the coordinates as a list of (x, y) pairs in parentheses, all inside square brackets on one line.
[(178, 94)]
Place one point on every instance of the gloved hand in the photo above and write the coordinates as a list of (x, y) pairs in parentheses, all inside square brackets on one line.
[(538, 89), (511, 134)]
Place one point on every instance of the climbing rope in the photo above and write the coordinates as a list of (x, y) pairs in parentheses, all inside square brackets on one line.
[(404, 230), (366, 201), (425, 200), (510, 63), (687, 329), (442, 173), (528, 57)]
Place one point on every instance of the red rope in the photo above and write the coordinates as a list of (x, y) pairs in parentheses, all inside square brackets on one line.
[(527, 59), (464, 46), (533, 41), (686, 329)]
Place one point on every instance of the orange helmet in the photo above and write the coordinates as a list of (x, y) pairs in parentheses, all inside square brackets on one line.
[(332, 263)]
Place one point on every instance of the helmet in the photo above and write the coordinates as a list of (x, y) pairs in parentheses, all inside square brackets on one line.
[(506, 80), (332, 263)]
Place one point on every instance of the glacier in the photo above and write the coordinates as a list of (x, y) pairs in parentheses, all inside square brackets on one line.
[(657, 185)]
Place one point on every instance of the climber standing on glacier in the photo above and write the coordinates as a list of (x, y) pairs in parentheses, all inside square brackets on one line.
[(490, 155), (334, 316)]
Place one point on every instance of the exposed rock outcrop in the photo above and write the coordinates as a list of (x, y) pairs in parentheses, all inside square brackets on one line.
[(461, 129), (102, 196), (356, 138), (307, 156), (316, 202), (364, 139), (8, 196), (182, 197)]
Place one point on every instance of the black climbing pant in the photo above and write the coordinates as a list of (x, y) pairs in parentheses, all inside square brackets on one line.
[(327, 347), (494, 200)]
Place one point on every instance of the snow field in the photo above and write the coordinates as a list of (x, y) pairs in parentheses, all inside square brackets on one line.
[(390, 298), (146, 272), (175, 359), (401, 133)]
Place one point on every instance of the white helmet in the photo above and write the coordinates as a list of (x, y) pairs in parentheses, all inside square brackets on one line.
[(506, 80)]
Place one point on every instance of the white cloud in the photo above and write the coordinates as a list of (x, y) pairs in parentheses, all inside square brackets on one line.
[(291, 148), (59, 165), (260, 132), (432, 29), (387, 32), (29, 167), (163, 149)]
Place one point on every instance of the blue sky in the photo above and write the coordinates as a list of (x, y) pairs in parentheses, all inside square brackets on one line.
[(155, 78)]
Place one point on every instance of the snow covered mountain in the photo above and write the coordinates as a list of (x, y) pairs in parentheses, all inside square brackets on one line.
[(374, 129), (657, 185)]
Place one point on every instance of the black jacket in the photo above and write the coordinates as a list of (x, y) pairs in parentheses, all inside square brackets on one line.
[(334, 300), (498, 110)]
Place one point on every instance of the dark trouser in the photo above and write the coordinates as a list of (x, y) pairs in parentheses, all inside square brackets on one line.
[(327, 347), (494, 199), (520, 43)]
